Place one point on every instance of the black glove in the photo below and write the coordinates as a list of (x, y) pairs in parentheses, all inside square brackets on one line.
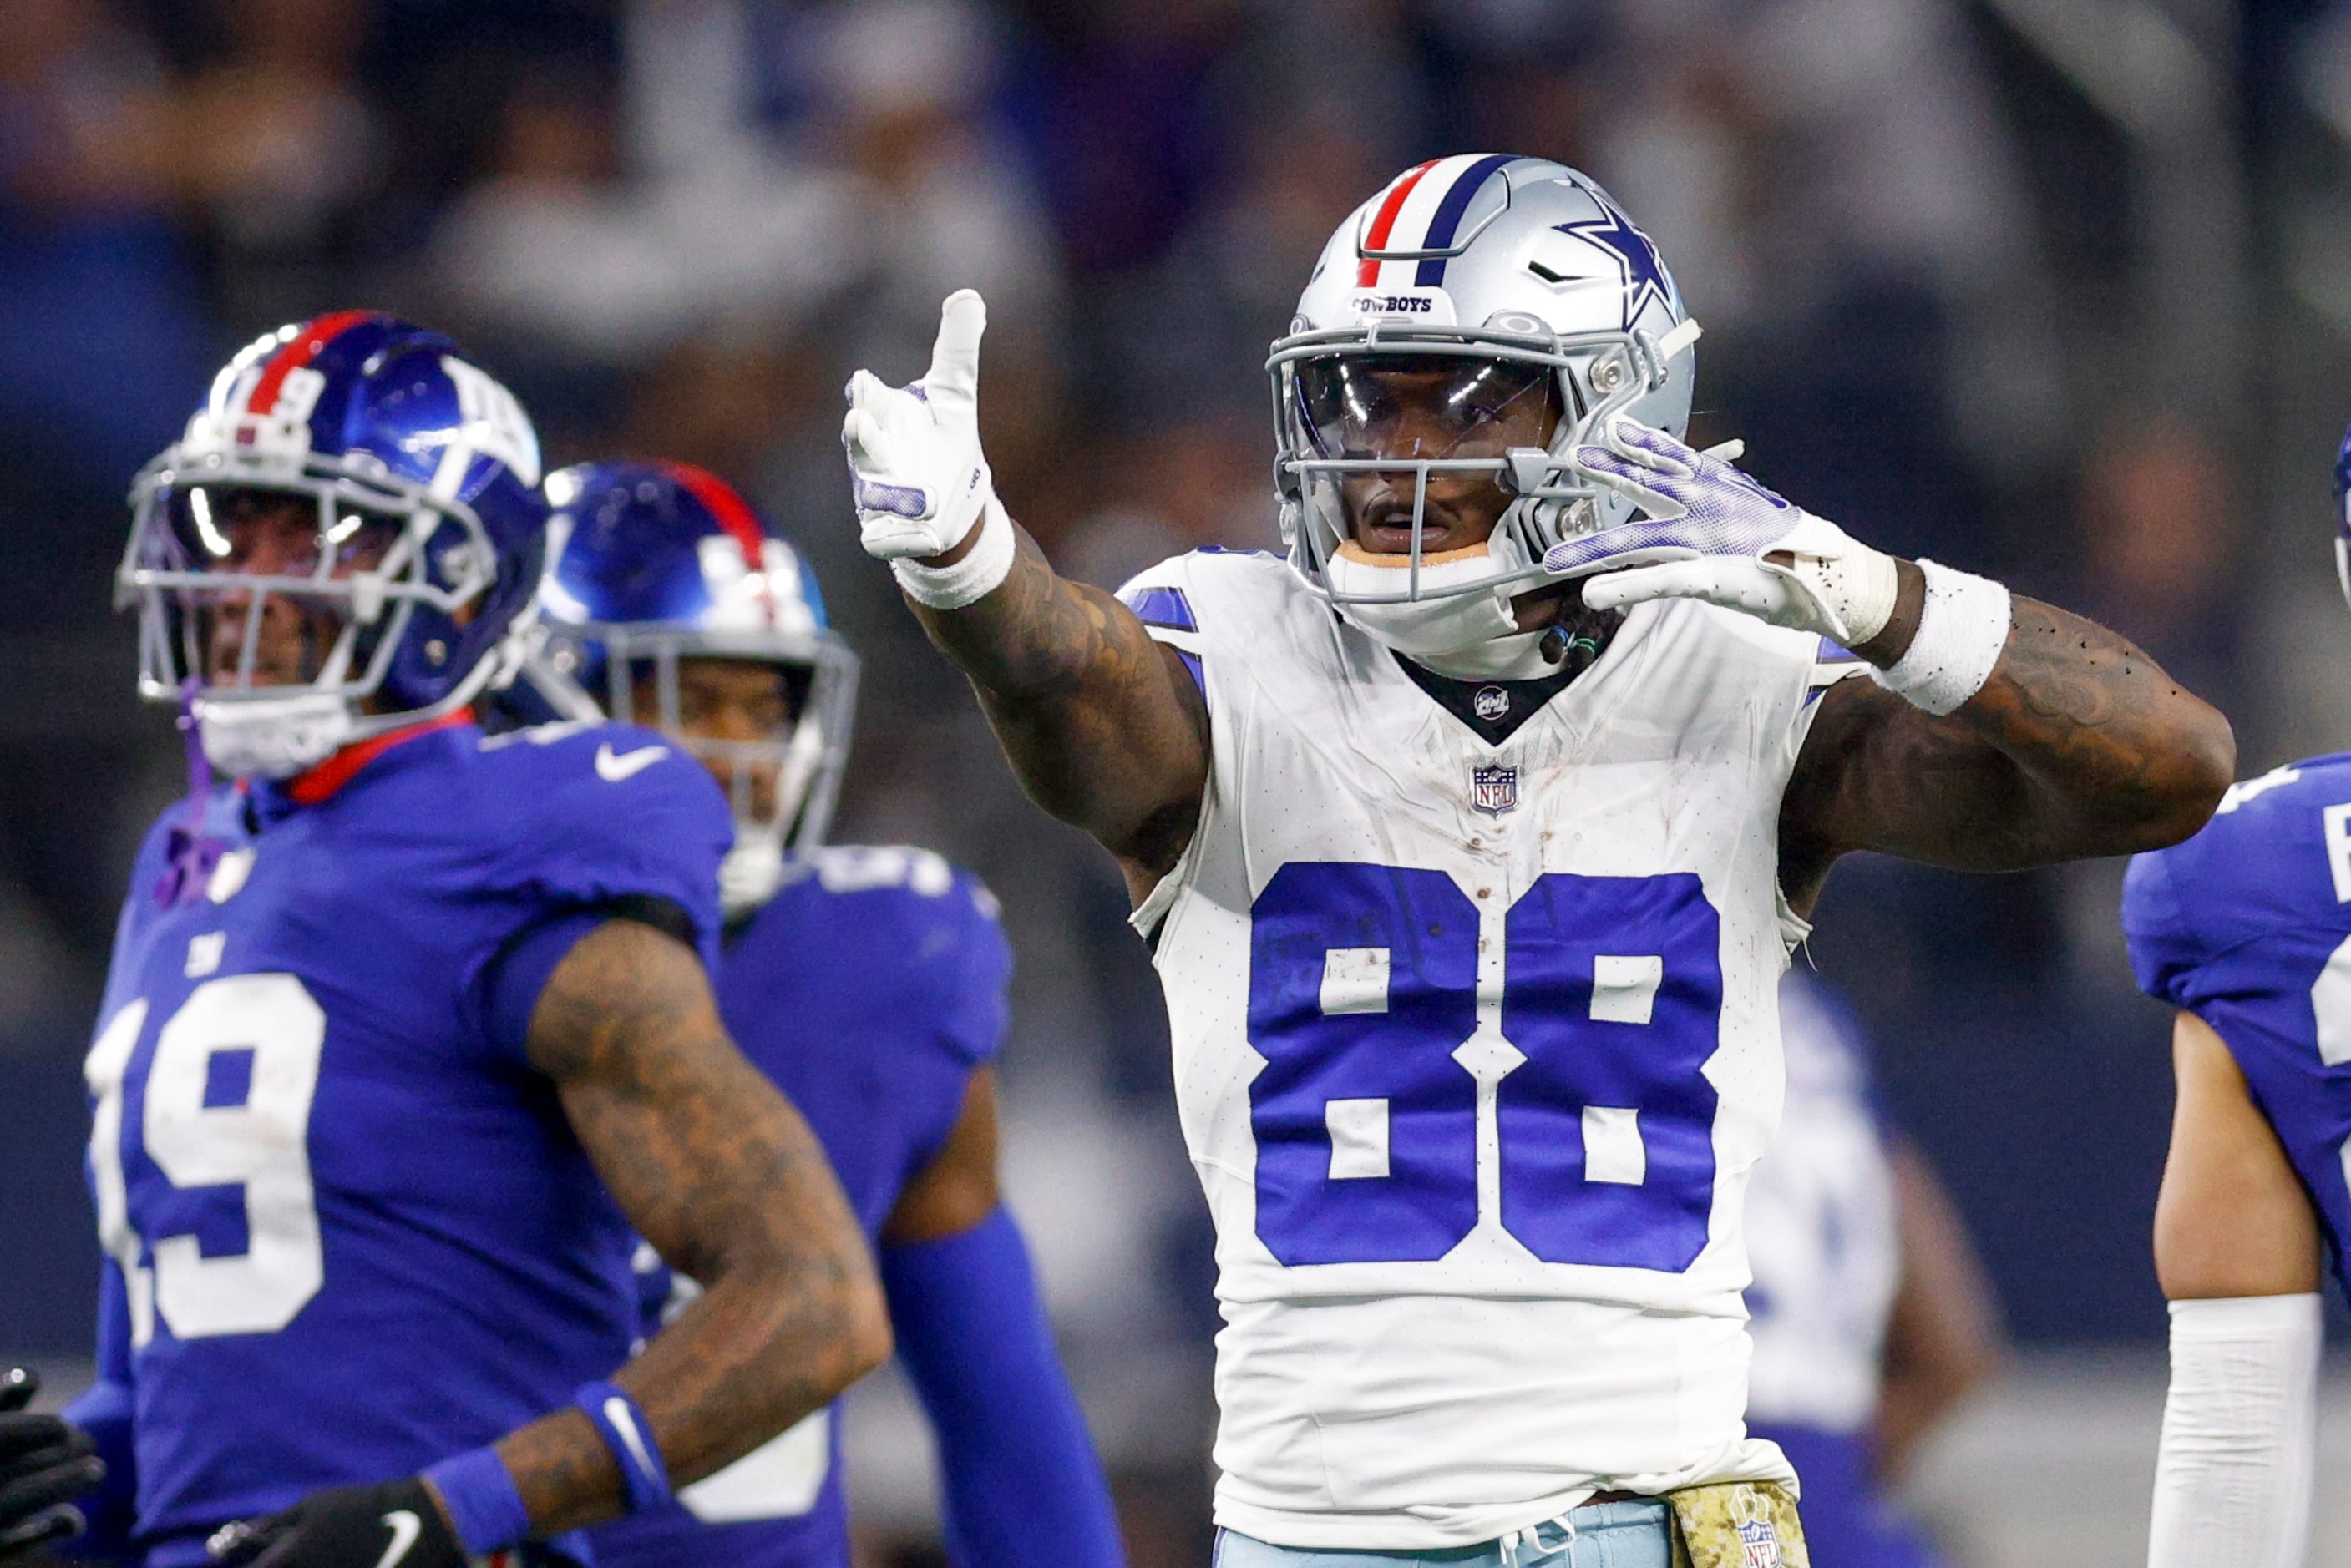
[(44, 1462), (391, 1524)]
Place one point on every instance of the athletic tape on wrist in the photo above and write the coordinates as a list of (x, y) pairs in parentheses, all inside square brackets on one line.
[(483, 1506), (1961, 629), (971, 579), (1858, 588), (630, 1435)]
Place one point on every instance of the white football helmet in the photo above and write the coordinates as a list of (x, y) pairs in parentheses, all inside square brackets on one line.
[(1524, 278)]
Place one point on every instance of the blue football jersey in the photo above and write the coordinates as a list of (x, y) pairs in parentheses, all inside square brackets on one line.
[(868, 989), (2248, 926), (350, 1232)]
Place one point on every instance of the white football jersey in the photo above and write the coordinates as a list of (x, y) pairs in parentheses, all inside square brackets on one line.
[(1474, 1045), (1821, 1228)]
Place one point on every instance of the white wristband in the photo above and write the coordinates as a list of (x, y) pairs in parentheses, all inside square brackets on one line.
[(1961, 629), (971, 579)]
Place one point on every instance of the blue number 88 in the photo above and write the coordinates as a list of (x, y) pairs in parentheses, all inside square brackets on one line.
[(1363, 988)]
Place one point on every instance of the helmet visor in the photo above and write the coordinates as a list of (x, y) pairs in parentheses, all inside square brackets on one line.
[(262, 582), (1420, 407), (238, 529)]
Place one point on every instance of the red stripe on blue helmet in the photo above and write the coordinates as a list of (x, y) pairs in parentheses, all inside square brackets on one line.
[(1375, 238), (1447, 221), (729, 510), (307, 345)]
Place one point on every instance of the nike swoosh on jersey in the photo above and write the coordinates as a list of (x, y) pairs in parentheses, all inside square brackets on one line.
[(405, 1528), (613, 768)]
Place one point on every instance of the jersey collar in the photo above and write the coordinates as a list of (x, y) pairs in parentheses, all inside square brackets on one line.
[(321, 783)]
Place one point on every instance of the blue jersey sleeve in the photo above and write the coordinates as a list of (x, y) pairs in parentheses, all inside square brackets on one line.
[(617, 822), (1024, 1489), (615, 813), (977, 1006), (2165, 952), (2247, 925)]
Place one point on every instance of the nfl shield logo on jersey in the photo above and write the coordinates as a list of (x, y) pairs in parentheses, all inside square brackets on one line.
[(1494, 790), (1761, 1542)]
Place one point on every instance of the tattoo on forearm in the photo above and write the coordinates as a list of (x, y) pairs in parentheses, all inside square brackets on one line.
[(1100, 724), (2078, 745), (717, 1170)]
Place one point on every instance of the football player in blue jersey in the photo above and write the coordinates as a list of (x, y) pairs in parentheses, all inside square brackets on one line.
[(871, 986), (2246, 929), (408, 1035)]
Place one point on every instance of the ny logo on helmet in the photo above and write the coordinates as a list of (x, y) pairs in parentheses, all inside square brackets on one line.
[(744, 598)]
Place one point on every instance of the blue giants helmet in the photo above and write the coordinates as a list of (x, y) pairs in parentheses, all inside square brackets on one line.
[(357, 479), (662, 563)]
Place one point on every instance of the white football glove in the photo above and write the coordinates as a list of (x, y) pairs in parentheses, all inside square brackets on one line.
[(918, 476), (1711, 526)]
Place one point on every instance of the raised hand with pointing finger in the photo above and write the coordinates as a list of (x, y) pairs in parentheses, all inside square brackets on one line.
[(917, 472)]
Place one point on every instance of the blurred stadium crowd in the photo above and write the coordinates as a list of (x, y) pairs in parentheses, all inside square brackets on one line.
[(2052, 289)]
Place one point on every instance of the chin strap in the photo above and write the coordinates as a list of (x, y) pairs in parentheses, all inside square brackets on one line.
[(190, 854), (274, 737)]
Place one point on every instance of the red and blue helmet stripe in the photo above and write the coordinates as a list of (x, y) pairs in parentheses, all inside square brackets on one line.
[(1420, 214), (309, 340)]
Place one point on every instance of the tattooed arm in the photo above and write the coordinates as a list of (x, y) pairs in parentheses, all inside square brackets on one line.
[(715, 1168), (1102, 724), (2078, 745)]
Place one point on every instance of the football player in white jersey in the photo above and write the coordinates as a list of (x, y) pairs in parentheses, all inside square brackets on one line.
[(1472, 839)]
